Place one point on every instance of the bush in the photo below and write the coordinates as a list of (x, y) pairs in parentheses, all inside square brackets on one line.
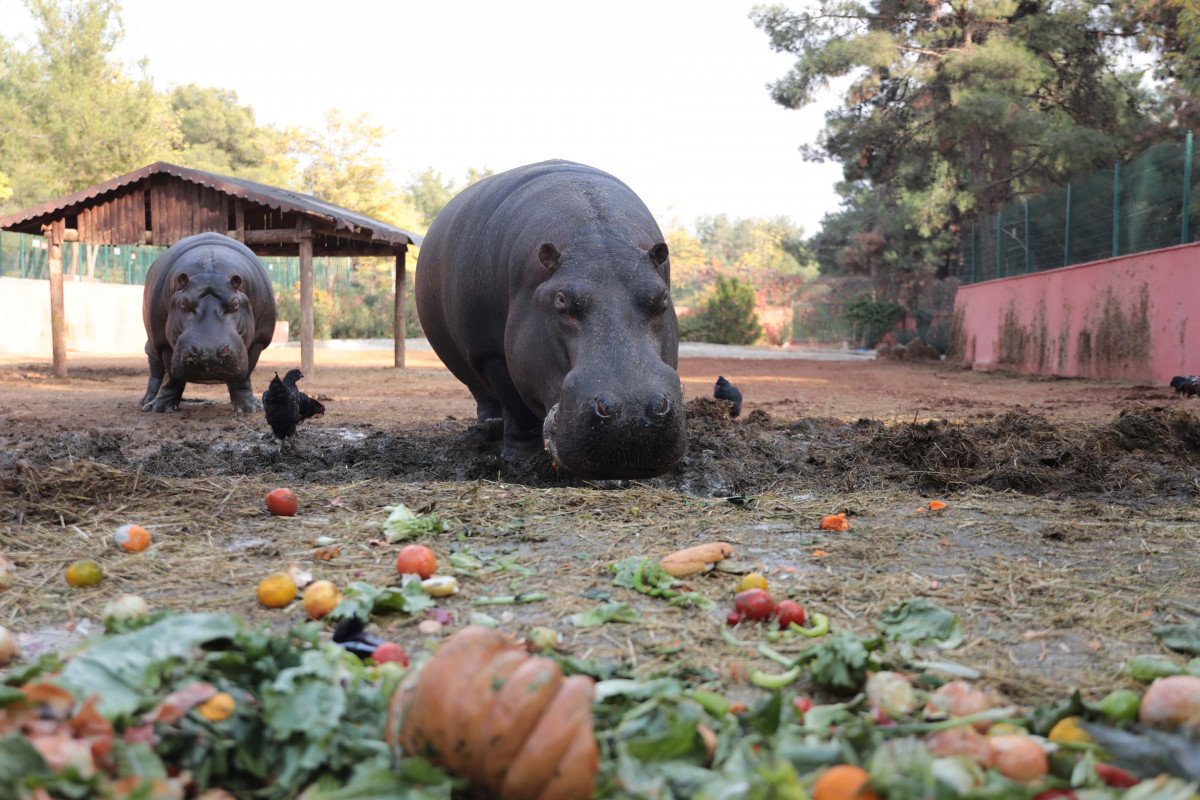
[(353, 312), (725, 316), (872, 318)]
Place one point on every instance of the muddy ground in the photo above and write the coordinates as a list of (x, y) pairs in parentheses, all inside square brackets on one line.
[(1072, 527)]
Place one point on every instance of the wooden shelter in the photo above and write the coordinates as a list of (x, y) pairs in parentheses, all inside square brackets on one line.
[(163, 203)]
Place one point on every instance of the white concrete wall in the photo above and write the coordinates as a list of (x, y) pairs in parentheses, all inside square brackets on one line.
[(102, 318)]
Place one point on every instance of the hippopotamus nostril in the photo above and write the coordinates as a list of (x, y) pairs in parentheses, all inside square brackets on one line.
[(225, 351), (662, 407), (602, 406)]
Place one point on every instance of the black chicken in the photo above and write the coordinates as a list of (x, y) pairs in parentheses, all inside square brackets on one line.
[(286, 406), (725, 390), (1187, 385)]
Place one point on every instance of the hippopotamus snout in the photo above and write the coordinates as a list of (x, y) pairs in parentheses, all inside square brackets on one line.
[(209, 362), (620, 431)]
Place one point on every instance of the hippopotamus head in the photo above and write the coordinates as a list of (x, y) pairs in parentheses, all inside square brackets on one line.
[(209, 317), (594, 348)]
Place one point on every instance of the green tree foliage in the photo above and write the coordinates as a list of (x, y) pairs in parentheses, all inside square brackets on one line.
[(953, 109), (429, 191), (218, 134), (72, 115), (726, 315), (1170, 31)]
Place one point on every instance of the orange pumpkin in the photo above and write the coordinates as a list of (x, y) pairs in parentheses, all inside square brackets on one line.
[(508, 721)]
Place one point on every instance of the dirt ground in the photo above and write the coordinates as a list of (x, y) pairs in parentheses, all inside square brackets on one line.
[(1071, 530)]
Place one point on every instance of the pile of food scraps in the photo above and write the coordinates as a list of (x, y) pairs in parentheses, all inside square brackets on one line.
[(202, 705)]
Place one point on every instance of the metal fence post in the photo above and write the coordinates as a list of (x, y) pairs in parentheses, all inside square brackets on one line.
[(999, 243), (1116, 251), (1028, 251), (1067, 241), (21, 263), (974, 254), (1187, 188)]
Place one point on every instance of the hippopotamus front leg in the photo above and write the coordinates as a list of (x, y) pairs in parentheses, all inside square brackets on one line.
[(240, 393), (157, 371), (170, 390), (522, 428)]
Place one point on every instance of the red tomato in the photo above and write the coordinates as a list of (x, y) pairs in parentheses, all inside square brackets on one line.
[(416, 559), (802, 703), (390, 651), (754, 604), (1055, 794), (282, 502), (733, 618), (1116, 777), (789, 611)]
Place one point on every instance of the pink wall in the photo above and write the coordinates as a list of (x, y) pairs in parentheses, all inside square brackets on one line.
[(1126, 318)]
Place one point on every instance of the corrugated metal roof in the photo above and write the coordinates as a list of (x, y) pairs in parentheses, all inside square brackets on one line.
[(271, 196)]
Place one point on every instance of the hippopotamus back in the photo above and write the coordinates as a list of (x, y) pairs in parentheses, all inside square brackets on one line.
[(209, 311)]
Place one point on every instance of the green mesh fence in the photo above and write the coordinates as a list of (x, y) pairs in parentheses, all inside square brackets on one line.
[(1150, 202), (26, 256)]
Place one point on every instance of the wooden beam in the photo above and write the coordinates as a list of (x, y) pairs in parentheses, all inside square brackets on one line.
[(306, 301), (239, 220), (58, 322), (400, 321), (270, 236)]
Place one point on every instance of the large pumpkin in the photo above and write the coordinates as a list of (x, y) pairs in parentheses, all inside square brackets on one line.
[(509, 722)]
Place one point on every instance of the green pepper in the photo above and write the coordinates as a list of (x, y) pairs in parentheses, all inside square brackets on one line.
[(713, 703), (820, 627), (765, 680)]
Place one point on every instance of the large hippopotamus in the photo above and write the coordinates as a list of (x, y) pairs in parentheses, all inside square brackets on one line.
[(546, 290), (209, 311)]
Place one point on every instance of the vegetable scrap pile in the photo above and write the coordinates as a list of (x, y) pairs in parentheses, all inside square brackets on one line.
[(201, 705)]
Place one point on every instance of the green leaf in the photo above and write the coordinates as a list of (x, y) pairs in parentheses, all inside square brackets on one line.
[(412, 779), (1046, 717), (1182, 638), (919, 620), (609, 612), (121, 669), (840, 662), (18, 761), (402, 524)]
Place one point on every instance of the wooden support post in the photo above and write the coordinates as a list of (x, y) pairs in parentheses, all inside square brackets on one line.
[(58, 322), (306, 301), (239, 220), (401, 317)]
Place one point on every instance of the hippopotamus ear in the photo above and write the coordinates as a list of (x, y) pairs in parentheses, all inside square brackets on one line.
[(548, 254), (236, 282), (181, 280), (658, 254)]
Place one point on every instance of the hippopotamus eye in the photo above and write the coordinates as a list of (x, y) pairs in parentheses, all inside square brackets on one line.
[(233, 306), (188, 306)]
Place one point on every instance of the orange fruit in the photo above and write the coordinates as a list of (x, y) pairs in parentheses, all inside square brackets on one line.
[(276, 590), (936, 505), (844, 782), (84, 573), (282, 502), (132, 538), (217, 708), (320, 598), (416, 559)]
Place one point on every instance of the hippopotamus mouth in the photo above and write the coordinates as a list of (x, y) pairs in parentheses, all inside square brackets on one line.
[(548, 434)]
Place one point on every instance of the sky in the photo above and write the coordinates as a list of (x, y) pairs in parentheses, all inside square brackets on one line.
[(671, 97)]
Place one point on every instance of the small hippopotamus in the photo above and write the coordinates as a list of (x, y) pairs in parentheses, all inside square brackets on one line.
[(209, 311), (546, 290)]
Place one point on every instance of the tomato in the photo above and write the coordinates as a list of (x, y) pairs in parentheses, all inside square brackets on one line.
[(1116, 777), (390, 651), (733, 618), (282, 502), (754, 604), (802, 703), (1055, 794), (789, 611), (416, 559), (752, 581)]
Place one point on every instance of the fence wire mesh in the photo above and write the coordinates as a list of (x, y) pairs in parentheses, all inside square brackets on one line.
[(1152, 201)]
